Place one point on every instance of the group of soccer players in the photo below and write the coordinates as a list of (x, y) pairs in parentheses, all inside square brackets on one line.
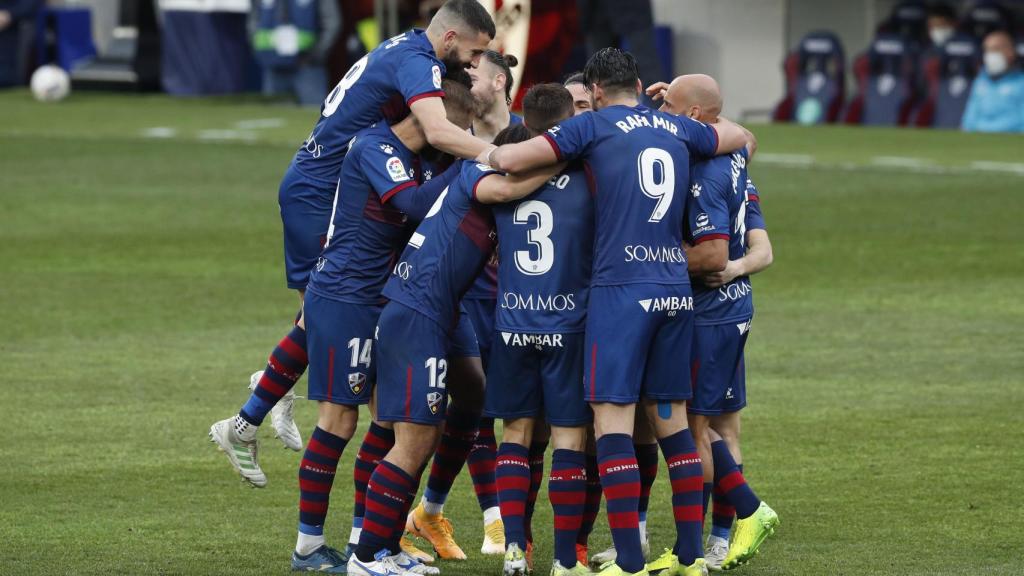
[(458, 264)]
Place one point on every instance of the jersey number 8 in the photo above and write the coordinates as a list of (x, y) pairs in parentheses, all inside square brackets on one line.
[(338, 94)]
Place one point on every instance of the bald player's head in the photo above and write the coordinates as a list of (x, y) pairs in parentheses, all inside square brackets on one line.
[(694, 95)]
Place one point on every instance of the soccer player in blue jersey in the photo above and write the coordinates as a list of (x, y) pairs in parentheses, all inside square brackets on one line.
[(408, 67), (640, 314), (467, 437), (414, 338), (719, 209), (536, 368), (377, 195)]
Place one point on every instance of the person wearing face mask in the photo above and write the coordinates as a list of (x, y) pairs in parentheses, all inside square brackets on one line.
[(941, 24), (996, 103)]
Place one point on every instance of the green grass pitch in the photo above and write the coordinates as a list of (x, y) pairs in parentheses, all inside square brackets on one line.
[(141, 282)]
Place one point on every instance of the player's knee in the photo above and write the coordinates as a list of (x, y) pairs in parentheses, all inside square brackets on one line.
[(727, 427), (415, 443), (565, 438), (517, 431), (338, 419)]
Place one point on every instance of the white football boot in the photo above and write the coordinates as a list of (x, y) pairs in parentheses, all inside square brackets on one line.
[(237, 439), (282, 416)]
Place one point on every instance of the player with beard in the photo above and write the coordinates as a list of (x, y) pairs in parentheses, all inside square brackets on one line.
[(408, 67)]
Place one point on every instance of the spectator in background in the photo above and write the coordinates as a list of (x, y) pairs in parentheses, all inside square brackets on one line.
[(291, 39), (941, 24), (12, 14), (996, 103)]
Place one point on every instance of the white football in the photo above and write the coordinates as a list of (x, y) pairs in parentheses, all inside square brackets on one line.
[(50, 83)]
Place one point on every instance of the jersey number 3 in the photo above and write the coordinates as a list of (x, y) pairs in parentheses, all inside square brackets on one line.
[(657, 179), (539, 238)]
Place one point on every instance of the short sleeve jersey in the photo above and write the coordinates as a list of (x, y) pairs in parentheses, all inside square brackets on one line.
[(638, 160), (365, 233), (447, 251), (404, 65), (485, 287), (545, 245), (755, 218), (717, 208)]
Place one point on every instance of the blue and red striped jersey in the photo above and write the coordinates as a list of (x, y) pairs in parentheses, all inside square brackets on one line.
[(639, 163), (447, 251)]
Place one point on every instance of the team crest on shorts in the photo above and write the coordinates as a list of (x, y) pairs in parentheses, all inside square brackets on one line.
[(356, 382), (434, 401)]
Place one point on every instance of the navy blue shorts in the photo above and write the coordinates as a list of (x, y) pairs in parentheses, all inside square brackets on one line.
[(306, 207), (481, 315), (533, 372), (339, 340), (412, 367), (465, 343), (638, 343), (720, 383)]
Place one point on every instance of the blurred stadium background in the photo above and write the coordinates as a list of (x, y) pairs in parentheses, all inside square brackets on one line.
[(140, 281), (853, 61)]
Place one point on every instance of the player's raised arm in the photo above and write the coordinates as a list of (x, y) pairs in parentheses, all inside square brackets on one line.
[(566, 141), (444, 135), (498, 188), (731, 136), (459, 34), (697, 100), (533, 153)]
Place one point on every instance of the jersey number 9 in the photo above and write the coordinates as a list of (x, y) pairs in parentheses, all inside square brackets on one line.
[(661, 189)]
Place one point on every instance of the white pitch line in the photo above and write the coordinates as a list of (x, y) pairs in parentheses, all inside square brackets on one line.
[(160, 132), (888, 163), (903, 162), (787, 159), (987, 166), (225, 135), (260, 123)]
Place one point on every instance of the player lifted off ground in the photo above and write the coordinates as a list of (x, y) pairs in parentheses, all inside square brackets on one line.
[(377, 195), (719, 225), (466, 435), (640, 314), (407, 67), (536, 369)]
